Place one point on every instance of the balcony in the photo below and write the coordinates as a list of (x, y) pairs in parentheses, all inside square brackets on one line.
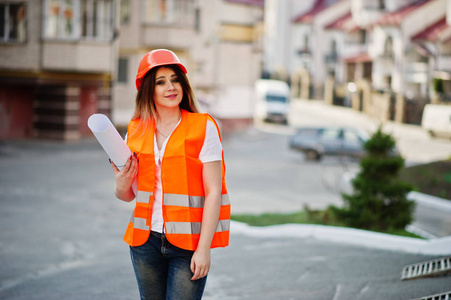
[(354, 49), (331, 58), (444, 63), (304, 53), (75, 56), (167, 36), (416, 72)]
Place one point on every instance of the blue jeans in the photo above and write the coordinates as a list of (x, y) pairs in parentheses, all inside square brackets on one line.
[(163, 270)]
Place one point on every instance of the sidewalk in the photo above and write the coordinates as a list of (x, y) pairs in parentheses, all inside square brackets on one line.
[(319, 263)]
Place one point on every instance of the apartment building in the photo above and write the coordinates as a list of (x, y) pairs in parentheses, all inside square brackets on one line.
[(144, 26), (219, 41), (317, 58), (57, 62), (63, 60), (373, 55), (404, 61)]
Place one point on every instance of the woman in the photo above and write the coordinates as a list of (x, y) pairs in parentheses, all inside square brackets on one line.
[(182, 208)]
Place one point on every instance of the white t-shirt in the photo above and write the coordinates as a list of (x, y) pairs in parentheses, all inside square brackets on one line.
[(211, 151)]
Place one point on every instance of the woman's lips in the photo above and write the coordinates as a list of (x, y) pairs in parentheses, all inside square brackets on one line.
[(171, 97)]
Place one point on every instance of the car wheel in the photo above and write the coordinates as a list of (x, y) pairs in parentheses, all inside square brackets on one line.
[(312, 155)]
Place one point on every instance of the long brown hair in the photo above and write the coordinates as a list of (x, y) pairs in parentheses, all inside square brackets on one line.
[(144, 104)]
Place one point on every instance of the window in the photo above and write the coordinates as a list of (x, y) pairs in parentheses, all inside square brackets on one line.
[(125, 12), (388, 47), (197, 19), (374, 4), (306, 43), (12, 22), (330, 134), (351, 136), (60, 16), (169, 11), (122, 73), (72, 19), (333, 54), (362, 36), (276, 98), (97, 19)]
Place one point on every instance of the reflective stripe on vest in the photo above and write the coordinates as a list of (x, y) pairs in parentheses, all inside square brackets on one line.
[(139, 223), (143, 197), (193, 228), (193, 202), (190, 201), (182, 183)]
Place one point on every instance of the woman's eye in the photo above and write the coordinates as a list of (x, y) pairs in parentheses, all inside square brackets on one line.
[(160, 82)]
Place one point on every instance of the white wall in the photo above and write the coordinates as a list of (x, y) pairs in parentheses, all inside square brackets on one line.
[(448, 12), (361, 16), (321, 41), (429, 13), (281, 36)]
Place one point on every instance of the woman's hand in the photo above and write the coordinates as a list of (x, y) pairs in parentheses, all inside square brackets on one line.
[(200, 263), (125, 178)]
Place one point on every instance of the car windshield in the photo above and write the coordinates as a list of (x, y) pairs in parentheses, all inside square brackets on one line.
[(351, 136), (330, 134), (276, 98)]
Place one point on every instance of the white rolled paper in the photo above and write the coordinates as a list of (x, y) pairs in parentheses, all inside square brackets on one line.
[(111, 141)]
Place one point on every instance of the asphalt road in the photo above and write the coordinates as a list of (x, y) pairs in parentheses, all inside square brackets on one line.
[(62, 230)]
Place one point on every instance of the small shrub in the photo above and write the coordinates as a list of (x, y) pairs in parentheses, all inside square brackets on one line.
[(379, 201)]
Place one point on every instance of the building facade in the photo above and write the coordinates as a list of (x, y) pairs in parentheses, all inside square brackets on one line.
[(219, 41), (63, 60), (57, 61), (372, 55)]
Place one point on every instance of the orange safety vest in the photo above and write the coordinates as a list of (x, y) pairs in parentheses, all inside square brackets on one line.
[(181, 177)]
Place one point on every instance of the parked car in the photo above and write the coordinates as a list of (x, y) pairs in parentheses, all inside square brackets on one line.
[(272, 100), (437, 120), (318, 141)]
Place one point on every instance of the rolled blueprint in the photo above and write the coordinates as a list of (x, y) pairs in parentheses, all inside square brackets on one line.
[(111, 141)]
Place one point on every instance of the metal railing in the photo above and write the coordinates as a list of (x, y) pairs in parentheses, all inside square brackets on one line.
[(431, 268)]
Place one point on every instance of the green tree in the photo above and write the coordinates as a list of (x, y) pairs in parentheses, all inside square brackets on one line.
[(379, 199)]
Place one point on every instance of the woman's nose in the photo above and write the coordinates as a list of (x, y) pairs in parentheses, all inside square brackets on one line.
[(170, 86)]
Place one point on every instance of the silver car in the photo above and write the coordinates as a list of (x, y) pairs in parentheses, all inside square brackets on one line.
[(318, 141)]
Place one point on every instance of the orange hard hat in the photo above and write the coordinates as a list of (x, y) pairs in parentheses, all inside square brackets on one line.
[(156, 58)]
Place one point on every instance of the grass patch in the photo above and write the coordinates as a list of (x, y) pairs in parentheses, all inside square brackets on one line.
[(306, 216), (432, 178)]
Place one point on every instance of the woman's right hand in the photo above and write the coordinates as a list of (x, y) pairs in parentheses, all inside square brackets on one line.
[(125, 178)]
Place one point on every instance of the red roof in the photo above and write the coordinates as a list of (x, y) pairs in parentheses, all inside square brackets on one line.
[(318, 6), (249, 2), (395, 18), (345, 23), (433, 32)]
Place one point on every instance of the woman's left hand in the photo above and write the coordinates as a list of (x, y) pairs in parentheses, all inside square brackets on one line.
[(200, 263)]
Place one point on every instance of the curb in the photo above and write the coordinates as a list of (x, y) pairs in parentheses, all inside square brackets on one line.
[(348, 236), (431, 201)]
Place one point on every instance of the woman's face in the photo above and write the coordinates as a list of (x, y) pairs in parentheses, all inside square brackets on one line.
[(168, 90)]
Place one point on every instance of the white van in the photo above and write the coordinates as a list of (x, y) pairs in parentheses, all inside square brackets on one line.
[(437, 119), (272, 100)]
